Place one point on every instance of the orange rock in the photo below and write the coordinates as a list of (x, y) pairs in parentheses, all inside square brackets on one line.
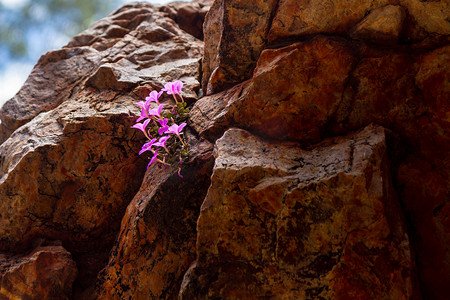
[(283, 222), (235, 34), (157, 238), (296, 18), (69, 172), (382, 26), (46, 273), (293, 93)]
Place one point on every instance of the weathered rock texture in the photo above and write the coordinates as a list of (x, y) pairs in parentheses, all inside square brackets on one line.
[(281, 222), (237, 31), (157, 239), (307, 86), (68, 158), (333, 184), (235, 36), (46, 273)]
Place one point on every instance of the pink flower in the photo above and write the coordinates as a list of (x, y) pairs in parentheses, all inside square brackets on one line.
[(142, 104), (176, 129), (173, 87), (164, 126), (153, 159), (153, 97), (141, 126), (156, 111), (143, 116), (162, 142), (147, 146)]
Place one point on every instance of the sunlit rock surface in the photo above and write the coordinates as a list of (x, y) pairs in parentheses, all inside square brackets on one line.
[(68, 162)]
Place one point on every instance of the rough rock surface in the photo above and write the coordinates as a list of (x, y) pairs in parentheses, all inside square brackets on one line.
[(319, 86), (46, 273), (68, 162), (236, 34), (189, 15), (283, 222), (382, 26), (295, 105), (292, 209), (280, 103), (135, 46), (296, 18), (157, 239)]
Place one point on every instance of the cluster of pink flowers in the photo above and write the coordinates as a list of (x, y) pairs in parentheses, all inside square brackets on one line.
[(157, 129)]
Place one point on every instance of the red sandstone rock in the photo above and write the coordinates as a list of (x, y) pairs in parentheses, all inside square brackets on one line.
[(296, 89), (382, 26), (404, 92), (282, 222), (46, 273), (52, 80), (293, 93), (235, 34), (210, 115), (70, 171), (296, 18), (156, 243)]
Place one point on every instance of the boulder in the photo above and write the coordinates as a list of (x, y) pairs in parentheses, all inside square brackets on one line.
[(283, 222)]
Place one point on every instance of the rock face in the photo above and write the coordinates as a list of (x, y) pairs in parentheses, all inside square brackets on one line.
[(283, 222), (46, 273), (235, 36), (318, 86), (382, 26), (157, 239), (69, 165), (330, 175)]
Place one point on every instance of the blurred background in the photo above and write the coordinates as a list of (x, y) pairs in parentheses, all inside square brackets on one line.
[(29, 28)]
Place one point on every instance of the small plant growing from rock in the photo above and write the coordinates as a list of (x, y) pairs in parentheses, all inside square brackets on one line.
[(163, 129)]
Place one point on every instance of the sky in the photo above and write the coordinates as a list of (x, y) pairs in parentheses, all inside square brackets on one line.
[(15, 71)]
